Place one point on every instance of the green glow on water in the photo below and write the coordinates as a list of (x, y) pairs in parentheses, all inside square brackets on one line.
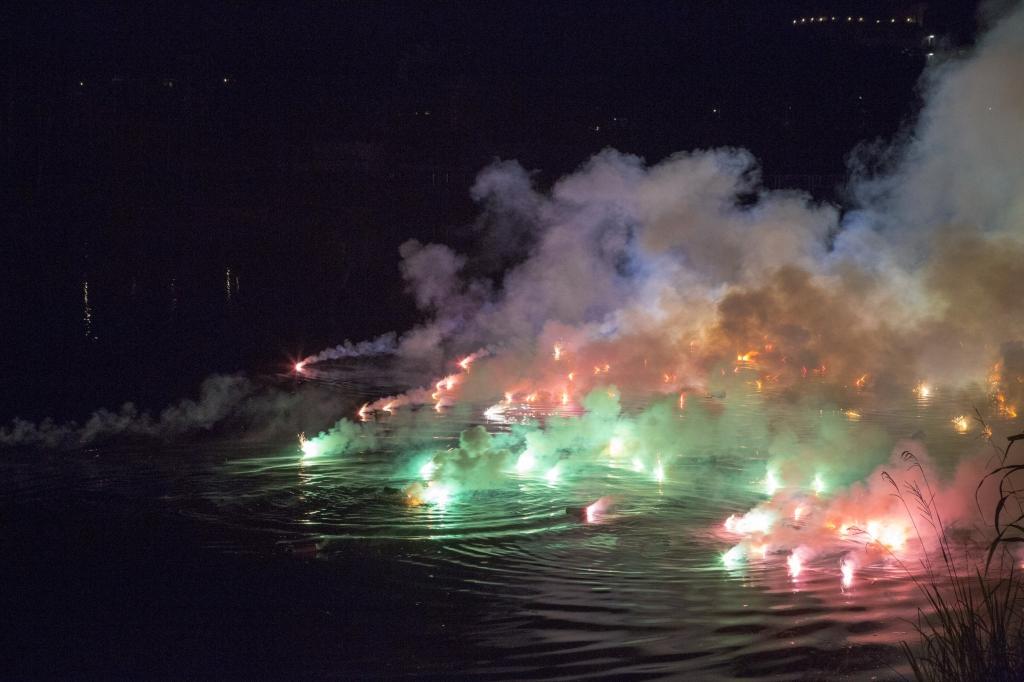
[(659, 472), (552, 475), (771, 483), (310, 449), (438, 494), (526, 462), (818, 485)]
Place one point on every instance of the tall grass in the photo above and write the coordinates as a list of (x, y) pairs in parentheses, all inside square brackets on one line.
[(973, 628)]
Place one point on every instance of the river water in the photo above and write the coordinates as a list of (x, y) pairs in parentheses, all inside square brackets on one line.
[(332, 575)]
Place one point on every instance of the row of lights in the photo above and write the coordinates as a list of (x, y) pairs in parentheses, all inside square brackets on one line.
[(860, 20), (170, 82)]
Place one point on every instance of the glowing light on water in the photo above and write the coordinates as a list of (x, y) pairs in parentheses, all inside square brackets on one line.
[(364, 412), (616, 446), (795, 565), (565, 398), (551, 476), (961, 424), (437, 493), (846, 568), (389, 408), (798, 512), (86, 310), (638, 465), (887, 535), (754, 521), (557, 353), (761, 550), (818, 484), (923, 390), (495, 413), (427, 470), (771, 483), (299, 366), (526, 462), (309, 448), (659, 472), (733, 557)]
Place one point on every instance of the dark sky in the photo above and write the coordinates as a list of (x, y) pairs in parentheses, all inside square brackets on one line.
[(148, 147)]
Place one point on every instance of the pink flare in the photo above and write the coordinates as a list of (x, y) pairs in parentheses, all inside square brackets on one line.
[(846, 568), (795, 564)]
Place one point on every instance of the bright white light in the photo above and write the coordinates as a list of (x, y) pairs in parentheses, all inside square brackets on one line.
[(795, 564), (818, 485), (659, 472), (310, 448), (754, 521), (733, 557), (437, 493), (495, 413), (616, 446), (771, 483), (526, 462), (552, 475), (427, 469), (846, 568)]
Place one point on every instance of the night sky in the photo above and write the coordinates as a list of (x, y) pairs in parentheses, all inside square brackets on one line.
[(233, 180)]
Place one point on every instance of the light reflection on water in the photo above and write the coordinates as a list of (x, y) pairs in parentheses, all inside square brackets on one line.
[(641, 590)]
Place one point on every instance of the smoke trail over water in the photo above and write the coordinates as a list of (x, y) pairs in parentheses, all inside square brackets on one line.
[(680, 286)]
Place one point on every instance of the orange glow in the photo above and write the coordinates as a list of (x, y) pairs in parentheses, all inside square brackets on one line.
[(364, 412), (389, 408), (565, 397), (1005, 408), (862, 381), (961, 424), (465, 362), (748, 356), (557, 352), (602, 369)]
